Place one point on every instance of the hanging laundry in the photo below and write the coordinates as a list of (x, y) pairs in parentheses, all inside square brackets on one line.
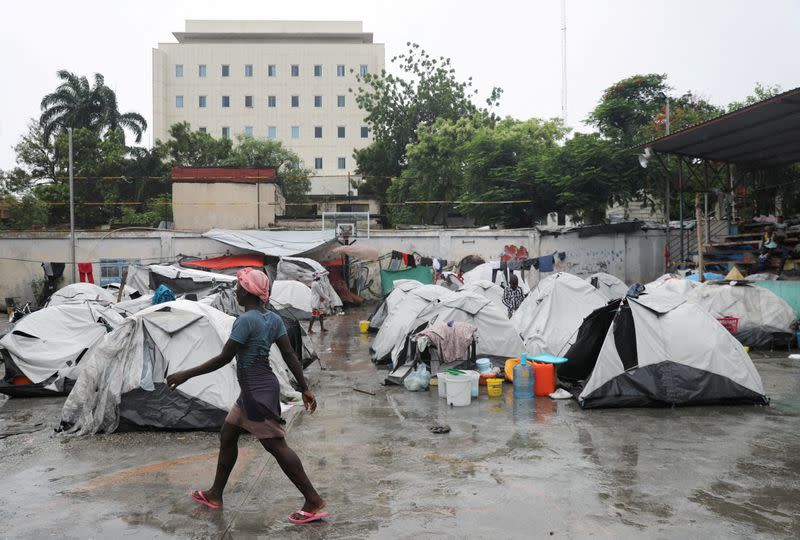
[(426, 261), (562, 255), (85, 271), (546, 263), (437, 265)]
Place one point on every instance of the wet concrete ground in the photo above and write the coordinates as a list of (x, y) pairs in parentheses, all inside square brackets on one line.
[(506, 470)]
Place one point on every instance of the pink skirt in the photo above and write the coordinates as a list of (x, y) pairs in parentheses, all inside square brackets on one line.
[(265, 429)]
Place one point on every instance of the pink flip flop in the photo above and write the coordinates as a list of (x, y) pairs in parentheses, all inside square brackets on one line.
[(309, 517), (200, 497)]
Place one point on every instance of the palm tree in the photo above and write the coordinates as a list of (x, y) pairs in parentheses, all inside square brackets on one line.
[(76, 104)]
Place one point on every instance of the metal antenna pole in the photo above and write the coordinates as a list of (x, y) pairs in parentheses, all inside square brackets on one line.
[(71, 208)]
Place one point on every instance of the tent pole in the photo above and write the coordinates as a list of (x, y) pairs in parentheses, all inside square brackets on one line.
[(698, 219), (680, 208)]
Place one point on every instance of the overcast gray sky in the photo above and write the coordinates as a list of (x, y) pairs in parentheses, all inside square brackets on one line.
[(716, 48)]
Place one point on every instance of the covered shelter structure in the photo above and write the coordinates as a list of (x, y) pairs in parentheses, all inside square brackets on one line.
[(758, 137)]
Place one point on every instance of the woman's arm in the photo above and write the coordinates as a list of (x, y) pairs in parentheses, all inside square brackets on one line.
[(223, 358), (296, 368)]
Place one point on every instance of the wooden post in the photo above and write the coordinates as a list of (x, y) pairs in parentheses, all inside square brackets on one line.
[(122, 285), (698, 226)]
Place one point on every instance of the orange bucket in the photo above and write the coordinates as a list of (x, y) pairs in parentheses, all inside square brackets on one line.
[(544, 379)]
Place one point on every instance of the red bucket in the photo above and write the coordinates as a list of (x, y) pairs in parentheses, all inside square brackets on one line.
[(731, 324)]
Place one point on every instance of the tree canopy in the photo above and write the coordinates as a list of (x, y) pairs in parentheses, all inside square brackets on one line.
[(77, 104)]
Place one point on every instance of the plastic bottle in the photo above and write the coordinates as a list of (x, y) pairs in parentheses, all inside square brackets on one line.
[(523, 379)]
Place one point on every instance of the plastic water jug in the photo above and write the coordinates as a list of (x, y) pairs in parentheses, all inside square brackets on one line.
[(523, 379)]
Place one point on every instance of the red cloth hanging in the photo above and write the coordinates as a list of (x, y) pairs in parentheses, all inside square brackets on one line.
[(85, 271)]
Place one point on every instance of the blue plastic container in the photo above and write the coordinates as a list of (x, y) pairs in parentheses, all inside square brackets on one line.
[(483, 365), (523, 379)]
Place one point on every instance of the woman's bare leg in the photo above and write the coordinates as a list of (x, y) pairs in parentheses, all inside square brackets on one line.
[(292, 467), (228, 452)]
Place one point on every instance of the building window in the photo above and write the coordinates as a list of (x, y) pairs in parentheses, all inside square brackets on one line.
[(179, 70), (363, 69), (179, 102), (317, 101), (341, 163), (226, 133), (318, 163), (295, 70), (248, 131), (201, 70), (226, 101), (340, 101), (248, 102), (340, 70), (226, 70), (340, 132), (272, 101), (202, 130), (295, 101), (317, 132), (248, 70), (201, 102), (272, 70), (295, 132), (364, 132), (272, 132), (317, 70)]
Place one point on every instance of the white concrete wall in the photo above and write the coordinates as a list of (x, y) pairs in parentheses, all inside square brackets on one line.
[(200, 206), (236, 51), (29, 249), (631, 257)]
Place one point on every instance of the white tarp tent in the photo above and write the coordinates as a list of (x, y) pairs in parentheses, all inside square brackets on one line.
[(761, 313), (303, 270), (610, 286), (292, 296), (550, 316), (667, 351), (146, 279), (53, 339), (274, 243), (400, 288), (79, 292), (488, 290), (674, 284), (496, 336), (124, 376), (404, 303), (483, 272)]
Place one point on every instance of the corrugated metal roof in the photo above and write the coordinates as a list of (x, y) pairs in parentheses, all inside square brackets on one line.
[(764, 134)]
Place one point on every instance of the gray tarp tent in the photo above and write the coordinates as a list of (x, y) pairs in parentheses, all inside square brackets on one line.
[(658, 350), (123, 380)]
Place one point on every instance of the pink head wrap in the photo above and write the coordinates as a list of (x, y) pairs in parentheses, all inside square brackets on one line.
[(255, 282)]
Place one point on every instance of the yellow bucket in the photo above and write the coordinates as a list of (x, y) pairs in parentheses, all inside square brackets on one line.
[(494, 387), (363, 326)]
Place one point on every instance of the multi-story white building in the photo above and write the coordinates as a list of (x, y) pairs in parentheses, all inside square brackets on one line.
[(285, 80)]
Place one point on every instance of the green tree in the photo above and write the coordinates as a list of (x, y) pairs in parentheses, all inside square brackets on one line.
[(591, 173), (252, 152), (434, 171), (77, 104), (187, 148), (508, 163), (760, 93), (397, 105), (26, 213)]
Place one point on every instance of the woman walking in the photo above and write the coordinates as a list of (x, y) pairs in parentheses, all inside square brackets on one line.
[(258, 408)]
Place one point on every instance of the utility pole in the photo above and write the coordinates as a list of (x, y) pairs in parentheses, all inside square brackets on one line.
[(71, 208), (668, 263), (564, 61)]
